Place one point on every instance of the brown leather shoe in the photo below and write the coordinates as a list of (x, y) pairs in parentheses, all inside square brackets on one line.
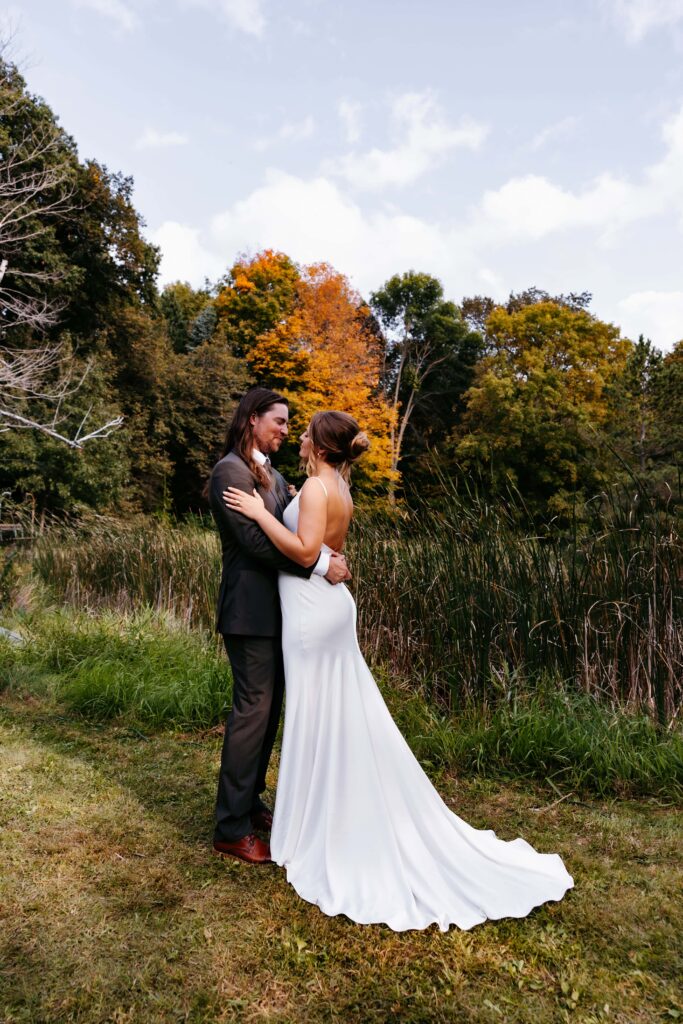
[(262, 819), (249, 848)]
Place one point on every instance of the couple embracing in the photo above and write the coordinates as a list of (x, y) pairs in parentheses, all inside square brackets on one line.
[(357, 824)]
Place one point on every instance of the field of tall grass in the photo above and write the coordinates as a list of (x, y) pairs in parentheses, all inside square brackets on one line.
[(465, 604), (149, 672)]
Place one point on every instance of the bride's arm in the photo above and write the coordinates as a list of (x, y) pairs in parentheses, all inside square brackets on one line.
[(304, 545)]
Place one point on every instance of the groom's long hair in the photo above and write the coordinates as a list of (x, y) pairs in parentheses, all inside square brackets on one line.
[(240, 435)]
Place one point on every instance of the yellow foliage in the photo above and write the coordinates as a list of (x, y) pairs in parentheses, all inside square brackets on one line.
[(537, 397)]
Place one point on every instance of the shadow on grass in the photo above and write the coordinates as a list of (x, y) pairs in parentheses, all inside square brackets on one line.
[(167, 775), (122, 914)]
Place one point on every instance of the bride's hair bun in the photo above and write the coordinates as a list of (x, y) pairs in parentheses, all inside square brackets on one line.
[(358, 445), (338, 437)]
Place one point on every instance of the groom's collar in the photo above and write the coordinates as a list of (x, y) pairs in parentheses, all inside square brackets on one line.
[(259, 457)]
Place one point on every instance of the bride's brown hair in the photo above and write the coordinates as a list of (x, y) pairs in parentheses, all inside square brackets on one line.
[(337, 437)]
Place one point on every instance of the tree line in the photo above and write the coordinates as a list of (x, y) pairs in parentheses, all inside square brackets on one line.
[(535, 394)]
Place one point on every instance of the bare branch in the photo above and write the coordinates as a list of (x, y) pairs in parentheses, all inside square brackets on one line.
[(16, 421), (17, 310), (37, 187), (49, 374)]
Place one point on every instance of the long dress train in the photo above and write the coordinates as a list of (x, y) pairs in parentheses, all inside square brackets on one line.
[(357, 824)]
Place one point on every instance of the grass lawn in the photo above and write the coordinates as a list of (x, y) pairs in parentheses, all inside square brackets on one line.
[(112, 907)]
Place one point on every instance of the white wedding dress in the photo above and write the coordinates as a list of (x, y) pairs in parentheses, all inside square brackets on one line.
[(357, 823)]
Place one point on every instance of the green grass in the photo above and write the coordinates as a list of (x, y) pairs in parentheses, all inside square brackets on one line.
[(571, 741), (152, 672), (143, 666), (113, 911)]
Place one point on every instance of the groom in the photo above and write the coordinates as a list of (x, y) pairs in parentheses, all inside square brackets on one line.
[(248, 616)]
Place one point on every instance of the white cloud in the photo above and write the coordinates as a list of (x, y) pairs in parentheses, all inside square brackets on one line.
[(657, 315), (153, 139), (507, 242), (183, 255), (350, 113), (639, 17), (554, 133), (312, 220), (245, 15), (290, 131), (664, 180), (116, 10), (531, 207), (424, 138)]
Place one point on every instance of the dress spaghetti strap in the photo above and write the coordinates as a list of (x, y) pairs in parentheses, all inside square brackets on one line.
[(321, 484)]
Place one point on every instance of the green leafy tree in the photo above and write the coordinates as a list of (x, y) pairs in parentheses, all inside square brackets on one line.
[(79, 295), (38, 172), (48, 395), (104, 240), (429, 354), (204, 387), (141, 359), (181, 305), (536, 401), (476, 309), (54, 475), (633, 424), (203, 326), (669, 408)]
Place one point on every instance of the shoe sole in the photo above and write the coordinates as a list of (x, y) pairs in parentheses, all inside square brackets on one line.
[(244, 860)]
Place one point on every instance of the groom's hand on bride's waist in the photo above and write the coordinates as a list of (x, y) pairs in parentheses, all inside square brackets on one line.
[(338, 571)]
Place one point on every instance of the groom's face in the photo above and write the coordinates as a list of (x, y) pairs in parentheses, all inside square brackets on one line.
[(270, 429)]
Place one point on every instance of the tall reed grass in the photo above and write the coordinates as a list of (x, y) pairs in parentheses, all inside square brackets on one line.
[(463, 602), (148, 671), (478, 607)]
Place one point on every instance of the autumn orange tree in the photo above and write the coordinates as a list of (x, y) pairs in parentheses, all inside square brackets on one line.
[(256, 295), (319, 348)]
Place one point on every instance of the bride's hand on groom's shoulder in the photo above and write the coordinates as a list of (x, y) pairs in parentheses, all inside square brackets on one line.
[(250, 505)]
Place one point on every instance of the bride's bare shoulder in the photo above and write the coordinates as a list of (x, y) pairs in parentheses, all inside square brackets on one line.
[(313, 486)]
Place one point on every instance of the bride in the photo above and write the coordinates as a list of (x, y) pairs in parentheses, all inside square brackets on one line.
[(357, 823)]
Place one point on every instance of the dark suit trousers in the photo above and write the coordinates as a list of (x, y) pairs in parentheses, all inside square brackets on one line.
[(258, 688)]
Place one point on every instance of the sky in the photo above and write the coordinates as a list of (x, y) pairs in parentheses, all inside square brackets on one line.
[(496, 145)]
